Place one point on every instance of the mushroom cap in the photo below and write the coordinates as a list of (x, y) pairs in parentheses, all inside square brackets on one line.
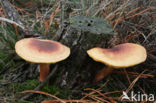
[(120, 56), (41, 51)]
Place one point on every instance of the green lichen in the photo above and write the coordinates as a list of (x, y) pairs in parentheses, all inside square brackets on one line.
[(91, 24)]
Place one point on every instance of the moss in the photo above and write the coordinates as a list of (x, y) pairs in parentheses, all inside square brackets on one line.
[(23, 101), (56, 91), (1, 77), (28, 85)]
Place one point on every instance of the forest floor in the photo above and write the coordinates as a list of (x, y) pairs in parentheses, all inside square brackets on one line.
[(133, 21)]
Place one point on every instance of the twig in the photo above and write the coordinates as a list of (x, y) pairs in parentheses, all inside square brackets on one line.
[(15, 18), (12, 22), (42, 84)]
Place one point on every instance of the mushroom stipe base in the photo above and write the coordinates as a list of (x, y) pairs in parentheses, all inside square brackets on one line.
[(44, 71), (106, 71)]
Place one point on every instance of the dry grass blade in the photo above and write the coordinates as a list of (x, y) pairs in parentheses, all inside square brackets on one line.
[(16, 30), (68, 101), (103, 5), (87, 95), (154, 18), (132, 84), (48, 23), (130, 37), (2, 13), (134, 81), (22, 11), (144, 101), (101, 94), (134, 10), (44, 93), (97, 99), (135, 74), (127, 76), (139, 13), (107, 93), (91, 93), (54, 14)]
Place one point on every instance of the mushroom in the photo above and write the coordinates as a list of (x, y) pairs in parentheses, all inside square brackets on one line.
[(43, 52), (120, 56)]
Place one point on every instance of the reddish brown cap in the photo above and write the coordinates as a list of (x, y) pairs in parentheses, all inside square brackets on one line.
[(41, 51), (123, 55)]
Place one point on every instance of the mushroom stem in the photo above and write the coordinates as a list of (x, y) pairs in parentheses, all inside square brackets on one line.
[(44, 71), (103, 73)]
